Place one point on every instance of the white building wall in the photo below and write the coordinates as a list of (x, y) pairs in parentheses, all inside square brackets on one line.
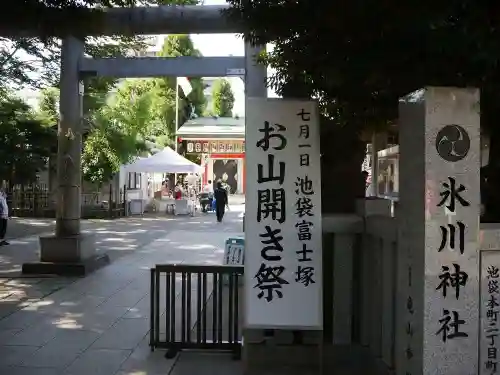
[(142, 193), (210, 169), (240, 176)]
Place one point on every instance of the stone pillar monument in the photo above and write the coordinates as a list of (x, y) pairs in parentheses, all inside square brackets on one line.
[(438, 233), (68, 252)]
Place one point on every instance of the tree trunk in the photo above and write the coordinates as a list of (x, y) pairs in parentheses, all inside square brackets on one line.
[(342, 155), (490, 175), (490, 179)]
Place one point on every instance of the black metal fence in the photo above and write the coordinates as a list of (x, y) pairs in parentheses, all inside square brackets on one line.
[(37, 200), (31, 200), (98, 205), (204, 315)]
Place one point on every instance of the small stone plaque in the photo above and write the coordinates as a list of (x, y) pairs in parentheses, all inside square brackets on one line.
[(489, 342)]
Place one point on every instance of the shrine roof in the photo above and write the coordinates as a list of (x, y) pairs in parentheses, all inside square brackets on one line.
[(213, 127)]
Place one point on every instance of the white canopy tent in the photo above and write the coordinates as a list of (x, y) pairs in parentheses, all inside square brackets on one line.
[(165, 161)]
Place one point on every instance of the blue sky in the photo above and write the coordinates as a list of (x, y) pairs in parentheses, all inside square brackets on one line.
[(209, 45), (225, 45)]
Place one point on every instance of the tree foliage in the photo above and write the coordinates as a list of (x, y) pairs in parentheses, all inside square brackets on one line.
[(107, 147), (117, 128), (35, 61), (120, 128), (359, 57), (223, 98), (182, 45), (48, 106), (140, 110), (137, 105), (25, 142)]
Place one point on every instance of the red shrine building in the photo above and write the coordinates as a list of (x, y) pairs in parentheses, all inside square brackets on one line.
[(221, 143)]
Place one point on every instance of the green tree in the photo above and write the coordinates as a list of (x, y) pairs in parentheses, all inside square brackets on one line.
[(112, 136), (107, 147), (141, 109), (48, 113), (137, 105), (223, 101), (42, 66), (25, 142), (119, 129), (48, 106), (357, 58), (302, 72), (174, 46)]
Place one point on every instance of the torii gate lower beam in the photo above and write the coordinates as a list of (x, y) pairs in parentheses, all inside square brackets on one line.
[(182, 66)]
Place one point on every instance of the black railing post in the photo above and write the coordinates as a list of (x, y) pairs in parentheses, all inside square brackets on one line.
[(223, 328), (199, 310), (157, 306), (119, 204), (215, 301), (184, 327), (220, 284), (188, 310), (125, 206), (110, 203), (236, 329), (231, 312), (167, 306), (152, 311), (23, 200), (204, 314), (34, 200)]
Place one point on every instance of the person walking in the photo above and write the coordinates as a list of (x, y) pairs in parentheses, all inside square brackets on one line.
[(4, 216), (220, 195)]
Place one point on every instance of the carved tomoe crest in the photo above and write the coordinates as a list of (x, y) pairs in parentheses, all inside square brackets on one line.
[(452, 143)]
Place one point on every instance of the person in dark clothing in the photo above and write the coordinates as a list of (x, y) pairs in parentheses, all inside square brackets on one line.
[(220, 195)]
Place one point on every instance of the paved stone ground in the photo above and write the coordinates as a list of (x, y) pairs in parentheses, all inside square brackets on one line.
[(19, 227), (117, 238), (99, 324)]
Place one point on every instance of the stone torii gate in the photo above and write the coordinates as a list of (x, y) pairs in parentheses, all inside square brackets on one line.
[(69, 251)]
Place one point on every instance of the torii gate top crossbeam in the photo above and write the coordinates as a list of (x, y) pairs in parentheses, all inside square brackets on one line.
[(166, 19)]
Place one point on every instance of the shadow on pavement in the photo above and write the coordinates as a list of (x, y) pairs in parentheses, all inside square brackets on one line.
[(116, 237)]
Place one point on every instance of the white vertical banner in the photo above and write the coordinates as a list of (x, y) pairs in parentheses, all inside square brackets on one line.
[(283, 235)]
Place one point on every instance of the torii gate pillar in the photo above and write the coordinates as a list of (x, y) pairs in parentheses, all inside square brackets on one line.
[(68, 252)]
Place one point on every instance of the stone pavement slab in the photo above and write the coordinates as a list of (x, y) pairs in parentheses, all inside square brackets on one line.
[(143, 361), (191, 363), (115, 237), (99, 324), (98, 362), (19, 227)]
